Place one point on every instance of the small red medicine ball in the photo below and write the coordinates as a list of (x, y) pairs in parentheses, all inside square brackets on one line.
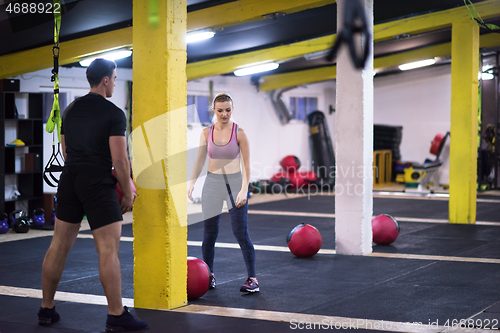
[(304, 241), (198, 277), (385, 229), (290, 163), (119, 191)]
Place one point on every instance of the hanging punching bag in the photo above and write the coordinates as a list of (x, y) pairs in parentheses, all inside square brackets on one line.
[(323, 156)]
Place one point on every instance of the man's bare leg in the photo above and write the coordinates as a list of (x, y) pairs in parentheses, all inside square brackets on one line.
[(53, 265), (107, 243)]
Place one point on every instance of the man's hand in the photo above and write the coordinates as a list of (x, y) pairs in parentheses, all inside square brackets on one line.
[(127, 202)]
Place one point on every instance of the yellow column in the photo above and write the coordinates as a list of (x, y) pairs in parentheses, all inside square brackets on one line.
[(463, 132), (159, 132)]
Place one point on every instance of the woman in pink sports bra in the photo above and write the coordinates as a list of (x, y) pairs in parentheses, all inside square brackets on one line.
[(227, 179)]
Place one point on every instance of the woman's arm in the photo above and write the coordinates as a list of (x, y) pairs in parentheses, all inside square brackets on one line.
[(245, 162), (200, 161)]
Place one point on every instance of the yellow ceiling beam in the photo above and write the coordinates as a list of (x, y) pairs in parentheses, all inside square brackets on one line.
[(383, 31), (228, 64), (243, 11), (433, 21), (441, 50), (297, 78), (292, 79), (71, 51), (217, 17), (489, 40)]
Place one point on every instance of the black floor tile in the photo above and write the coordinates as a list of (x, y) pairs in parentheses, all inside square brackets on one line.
[(485, 320), (401, 290), (495, 308)]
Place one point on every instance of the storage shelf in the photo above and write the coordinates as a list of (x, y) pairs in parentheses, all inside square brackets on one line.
[(22, 173), (28, 146), (25, 119), (22, 198), (30, 130)]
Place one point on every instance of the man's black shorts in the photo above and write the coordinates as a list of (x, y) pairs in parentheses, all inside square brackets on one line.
[(87, 190)]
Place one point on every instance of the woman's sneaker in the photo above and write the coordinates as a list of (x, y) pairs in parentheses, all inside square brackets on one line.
[(251, 286), (124, 322), (47, 316), (212, 281)]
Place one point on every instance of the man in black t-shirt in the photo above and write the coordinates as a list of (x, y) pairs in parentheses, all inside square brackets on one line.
[(93, 141)]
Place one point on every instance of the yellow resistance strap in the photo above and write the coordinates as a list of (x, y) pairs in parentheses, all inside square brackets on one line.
[(475, 15), (54, 165), (55, 115)]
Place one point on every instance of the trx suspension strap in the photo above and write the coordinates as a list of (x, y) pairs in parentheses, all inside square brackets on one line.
[(475, 15), (354, 22), (54, 164)]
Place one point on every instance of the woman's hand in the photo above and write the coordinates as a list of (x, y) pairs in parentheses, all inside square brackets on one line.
[(190, 191), (241, 199)]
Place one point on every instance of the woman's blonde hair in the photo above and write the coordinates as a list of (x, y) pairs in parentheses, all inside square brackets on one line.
[(221, 97)]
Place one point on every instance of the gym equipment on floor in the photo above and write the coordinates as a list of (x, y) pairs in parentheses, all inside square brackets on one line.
[(385, 229), (4, 223), (304, 241), (198, 278), (417, 176)]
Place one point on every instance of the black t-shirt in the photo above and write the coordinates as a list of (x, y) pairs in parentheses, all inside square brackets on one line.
[(87, 124)]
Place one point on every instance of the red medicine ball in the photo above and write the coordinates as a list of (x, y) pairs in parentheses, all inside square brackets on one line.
[(296, 180), (436, 144), (290, 163), (304, 241), (277, 176), (385, 229), (309, 176), (119, 191), (198, 278)]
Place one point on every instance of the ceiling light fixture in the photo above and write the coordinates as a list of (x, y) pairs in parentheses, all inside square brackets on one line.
[(256, 69), (487, 73), (417, 64), (316, 55), (487, 76), (111, 55), (199, 35)]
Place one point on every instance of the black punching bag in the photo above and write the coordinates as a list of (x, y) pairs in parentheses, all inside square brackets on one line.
[(323, 156)]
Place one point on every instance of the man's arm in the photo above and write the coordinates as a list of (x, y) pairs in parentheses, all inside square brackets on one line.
[(63, 145), (118, 148)]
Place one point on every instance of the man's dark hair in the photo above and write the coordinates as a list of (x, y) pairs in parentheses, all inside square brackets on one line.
[(98, 69)]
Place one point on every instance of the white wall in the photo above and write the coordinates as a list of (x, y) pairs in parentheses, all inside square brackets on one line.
[(420, 101)]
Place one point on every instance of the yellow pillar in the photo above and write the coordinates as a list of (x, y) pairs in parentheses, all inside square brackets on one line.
[(463, 132), (159, 131)]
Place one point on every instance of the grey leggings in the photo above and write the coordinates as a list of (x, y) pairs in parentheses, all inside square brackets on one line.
[(218, 188)]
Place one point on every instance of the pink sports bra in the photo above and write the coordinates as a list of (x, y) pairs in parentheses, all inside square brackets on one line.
[(229, 151)]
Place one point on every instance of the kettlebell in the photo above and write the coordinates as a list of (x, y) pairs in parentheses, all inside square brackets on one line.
[(38, 217), (4, 223), (13, 216), (20, 224), (53, 217)]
